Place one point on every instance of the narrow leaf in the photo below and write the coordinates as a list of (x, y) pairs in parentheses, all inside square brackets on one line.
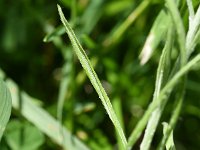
[(92, 76), (155, 36), (192, 32)]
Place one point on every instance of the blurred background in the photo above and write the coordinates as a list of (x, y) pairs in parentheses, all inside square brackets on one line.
[(36, 53)]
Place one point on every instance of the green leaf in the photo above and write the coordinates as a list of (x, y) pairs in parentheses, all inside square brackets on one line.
[(23, 136), (193, 33), (155, 36), (5, 107), (93, 77)]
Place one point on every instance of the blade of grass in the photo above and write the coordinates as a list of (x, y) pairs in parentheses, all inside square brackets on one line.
[(161, 73), (164, 92), (191, 11), (93, 77), (5, 107), (193, 28), (42, 120), (155, 36)]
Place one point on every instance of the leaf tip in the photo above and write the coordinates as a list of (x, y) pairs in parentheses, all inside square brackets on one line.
[(147, 50)]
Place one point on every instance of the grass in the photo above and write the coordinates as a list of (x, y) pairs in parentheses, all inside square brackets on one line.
[(105, 40)]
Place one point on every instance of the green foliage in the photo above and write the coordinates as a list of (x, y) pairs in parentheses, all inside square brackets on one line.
[(93, 77), (141, 59)]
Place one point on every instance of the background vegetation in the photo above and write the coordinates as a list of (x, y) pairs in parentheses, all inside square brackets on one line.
[(49, 86)]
